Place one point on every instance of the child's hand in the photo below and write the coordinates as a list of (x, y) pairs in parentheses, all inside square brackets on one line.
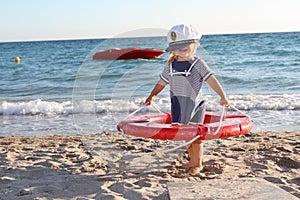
[(224, 101), (149, 100), (160, 85)]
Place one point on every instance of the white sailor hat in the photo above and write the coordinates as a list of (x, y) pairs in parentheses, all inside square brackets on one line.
[(180, 36)]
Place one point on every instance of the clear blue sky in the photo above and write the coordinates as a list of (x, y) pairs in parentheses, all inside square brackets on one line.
[(71, 19)]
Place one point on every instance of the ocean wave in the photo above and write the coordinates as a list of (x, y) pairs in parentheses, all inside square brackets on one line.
[(35, 107), (266, 102), (247, 102)]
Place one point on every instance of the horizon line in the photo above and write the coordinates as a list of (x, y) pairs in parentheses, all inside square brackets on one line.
[(111, 37)]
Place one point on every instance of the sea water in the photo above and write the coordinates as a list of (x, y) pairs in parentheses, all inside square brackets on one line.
[(58, 88)]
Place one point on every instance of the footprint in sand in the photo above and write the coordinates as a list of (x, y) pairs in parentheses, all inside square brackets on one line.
[(287, 162)]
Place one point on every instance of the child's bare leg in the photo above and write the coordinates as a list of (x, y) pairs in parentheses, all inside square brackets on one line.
[(190, 163), (197, 148)]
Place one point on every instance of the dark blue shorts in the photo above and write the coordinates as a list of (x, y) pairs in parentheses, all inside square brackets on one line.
[(185, 111)]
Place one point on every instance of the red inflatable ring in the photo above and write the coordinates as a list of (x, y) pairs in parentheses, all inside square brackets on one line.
[(159, 127)]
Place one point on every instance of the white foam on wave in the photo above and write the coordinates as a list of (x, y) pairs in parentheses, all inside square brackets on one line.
[(41, 117), (35, 107), (247, 102), (267, 102)]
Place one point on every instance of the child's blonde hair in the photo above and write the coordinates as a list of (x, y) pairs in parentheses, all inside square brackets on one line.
[(173, 56)]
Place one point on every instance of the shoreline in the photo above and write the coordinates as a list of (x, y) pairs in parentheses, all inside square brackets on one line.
[(108, 166)]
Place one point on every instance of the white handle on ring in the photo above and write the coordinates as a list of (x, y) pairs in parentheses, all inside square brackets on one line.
[(221, 121), (131, 114), (140, 108), (222, 116), (231, 106), (156, 107), (182, 145)]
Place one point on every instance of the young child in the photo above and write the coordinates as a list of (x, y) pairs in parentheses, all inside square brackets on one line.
[(185, 74)]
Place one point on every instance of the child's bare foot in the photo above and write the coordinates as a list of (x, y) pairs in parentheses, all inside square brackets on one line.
[(187, 165), (195, 170)]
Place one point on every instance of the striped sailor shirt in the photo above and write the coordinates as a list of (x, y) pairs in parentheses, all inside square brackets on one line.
[(185, 79)]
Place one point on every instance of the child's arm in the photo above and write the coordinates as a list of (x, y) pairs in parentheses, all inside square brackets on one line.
[(160, 85), (215, 85)]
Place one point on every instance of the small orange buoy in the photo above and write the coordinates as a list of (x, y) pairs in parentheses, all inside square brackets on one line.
[(17, 59)]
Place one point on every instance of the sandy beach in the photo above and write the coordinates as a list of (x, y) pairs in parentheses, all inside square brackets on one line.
[(109, 166)]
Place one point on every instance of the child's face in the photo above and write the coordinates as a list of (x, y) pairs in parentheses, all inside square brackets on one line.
[(185, 53)]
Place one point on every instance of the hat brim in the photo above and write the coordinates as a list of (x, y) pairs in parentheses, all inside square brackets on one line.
[(178, 46)]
